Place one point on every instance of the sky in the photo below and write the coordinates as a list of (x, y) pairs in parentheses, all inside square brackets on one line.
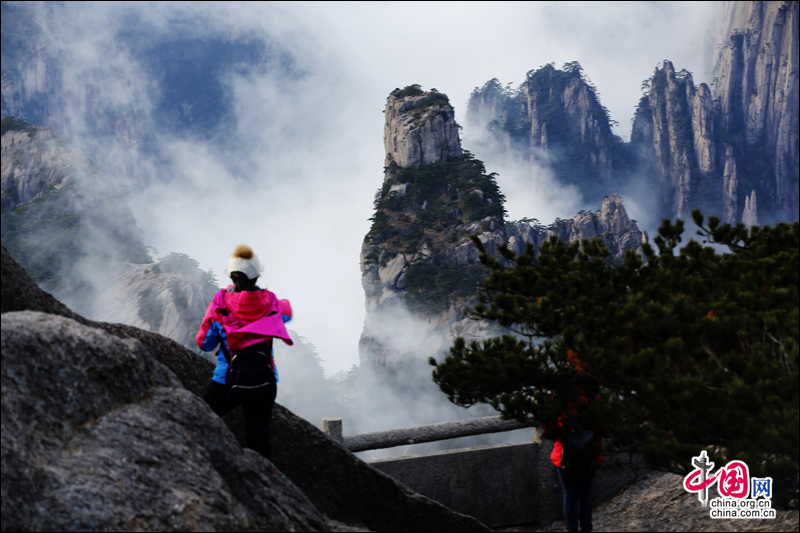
[(296, 176)]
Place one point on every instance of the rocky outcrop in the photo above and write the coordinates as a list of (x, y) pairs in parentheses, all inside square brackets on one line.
[(758, 92), (750, 213), (554, 119), (36, 161), (730, 186), (168, 297), (673, 133), (341, 486), (610, 223), (419, 267), (116, 443), (420, 128)]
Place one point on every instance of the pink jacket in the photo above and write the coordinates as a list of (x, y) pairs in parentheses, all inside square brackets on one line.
[(252, 317)]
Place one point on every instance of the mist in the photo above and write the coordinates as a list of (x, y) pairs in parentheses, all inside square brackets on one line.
[(293, 162)]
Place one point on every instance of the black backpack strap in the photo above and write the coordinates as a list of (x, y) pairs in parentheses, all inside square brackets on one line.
[(224, 349)]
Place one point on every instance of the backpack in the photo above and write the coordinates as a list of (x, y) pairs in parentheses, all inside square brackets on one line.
[(577, 449), (250, 368)]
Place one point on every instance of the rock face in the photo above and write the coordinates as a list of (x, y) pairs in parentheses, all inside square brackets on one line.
[(115, 442), (168, 297), (713, 152), (610, 223), (35, 161), (340, 485), (61, 215), (758, 92), (418, 265), (673, 133), (554, 119), (700, 149), (420, 128)]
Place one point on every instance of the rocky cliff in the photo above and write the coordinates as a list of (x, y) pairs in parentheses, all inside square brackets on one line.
[(168, 297), (610, 224), (714, 150), (719, 151), (73, 231), (119, 440), (555, 119), (759, 94), (673, 133), (59, 209), (420, 128), (418, 265)]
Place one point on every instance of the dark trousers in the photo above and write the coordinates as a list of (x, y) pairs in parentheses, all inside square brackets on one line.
[(577, 485), (257, 406)]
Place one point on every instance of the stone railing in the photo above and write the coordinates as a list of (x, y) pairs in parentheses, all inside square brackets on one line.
[(420, 434)]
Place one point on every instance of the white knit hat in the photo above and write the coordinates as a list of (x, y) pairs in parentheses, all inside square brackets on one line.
[(245, 261)]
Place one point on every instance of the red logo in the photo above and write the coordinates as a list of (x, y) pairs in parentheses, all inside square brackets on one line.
[(733, 480)]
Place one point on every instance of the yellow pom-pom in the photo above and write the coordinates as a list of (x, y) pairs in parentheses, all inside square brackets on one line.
[(243, 251)]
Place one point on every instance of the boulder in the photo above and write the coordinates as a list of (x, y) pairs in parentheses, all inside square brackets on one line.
[(99, 436)]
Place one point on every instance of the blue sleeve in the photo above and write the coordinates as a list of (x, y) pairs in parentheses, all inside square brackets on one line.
[(216, 335), (213, 336), (286, 318)]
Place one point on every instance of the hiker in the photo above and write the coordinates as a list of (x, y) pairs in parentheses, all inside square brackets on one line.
[(577, 453), (242, 320)]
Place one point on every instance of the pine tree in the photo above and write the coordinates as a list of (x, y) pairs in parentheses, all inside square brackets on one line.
[(686, 351)]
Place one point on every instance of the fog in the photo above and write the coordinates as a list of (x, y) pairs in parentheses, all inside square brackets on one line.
[(293, 170)]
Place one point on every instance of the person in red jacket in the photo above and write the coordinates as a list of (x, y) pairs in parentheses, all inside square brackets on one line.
[(577, 453), (242, 320)]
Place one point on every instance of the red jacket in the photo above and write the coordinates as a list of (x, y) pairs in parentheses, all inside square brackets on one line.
[(558, 447)]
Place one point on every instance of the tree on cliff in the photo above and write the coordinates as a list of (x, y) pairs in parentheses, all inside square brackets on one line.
[(688, 351)]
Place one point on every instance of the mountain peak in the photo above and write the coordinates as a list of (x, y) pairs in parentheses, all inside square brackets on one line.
[(420, 127)]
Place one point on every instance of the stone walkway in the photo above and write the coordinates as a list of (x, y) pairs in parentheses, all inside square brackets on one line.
[(658, 502)]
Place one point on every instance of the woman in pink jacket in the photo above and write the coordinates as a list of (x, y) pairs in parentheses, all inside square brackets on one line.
[(242, 320)]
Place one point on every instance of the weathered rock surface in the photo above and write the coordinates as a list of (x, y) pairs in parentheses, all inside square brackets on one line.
[(36, 160), (420, 129), (730, 187), (99, 436), (750, 213), (611, 223), (759, 95), (554, 119), (673, 134), (341, 486), (148, 297)]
